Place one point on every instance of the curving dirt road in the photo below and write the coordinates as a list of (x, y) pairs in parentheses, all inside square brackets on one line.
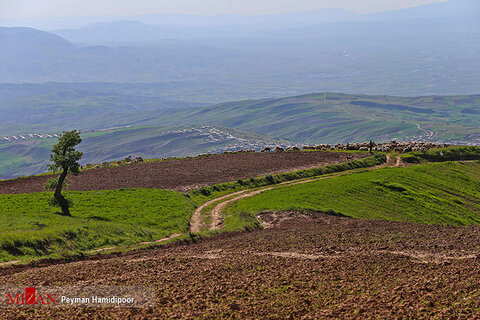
[(216, 213)]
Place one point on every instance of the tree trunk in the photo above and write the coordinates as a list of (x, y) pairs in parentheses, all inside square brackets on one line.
[(58, 194)]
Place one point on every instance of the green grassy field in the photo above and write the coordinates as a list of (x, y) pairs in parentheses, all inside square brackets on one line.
[(454, 153), (30, 228), (439, 193)]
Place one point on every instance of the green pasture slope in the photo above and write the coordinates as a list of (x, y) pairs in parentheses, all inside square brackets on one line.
[(30, 228), (435, 193)]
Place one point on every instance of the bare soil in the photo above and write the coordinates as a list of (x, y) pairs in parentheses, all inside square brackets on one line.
[(301, 266), (185, 174)]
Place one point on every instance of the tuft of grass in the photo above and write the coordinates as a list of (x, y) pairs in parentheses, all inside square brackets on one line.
[(410, 158)]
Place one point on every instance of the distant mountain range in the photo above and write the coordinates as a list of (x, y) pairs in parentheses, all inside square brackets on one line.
[(154, 28), (434, 10), (419, 51)]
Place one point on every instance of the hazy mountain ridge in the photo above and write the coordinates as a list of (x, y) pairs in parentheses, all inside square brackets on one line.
[(433, 10), (427, 50), (389, 64)]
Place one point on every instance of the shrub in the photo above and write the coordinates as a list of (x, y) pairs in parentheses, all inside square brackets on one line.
[(410, 158), (334, 213), (270, 179), (193, 237), (205, 192)]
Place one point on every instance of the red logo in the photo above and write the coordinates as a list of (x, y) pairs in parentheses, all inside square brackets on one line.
[(30, 297)]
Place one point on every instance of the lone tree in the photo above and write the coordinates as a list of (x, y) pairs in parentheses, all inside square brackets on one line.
[(64, 157)]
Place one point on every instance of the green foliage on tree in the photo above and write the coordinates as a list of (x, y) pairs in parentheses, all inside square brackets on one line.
[(65, 158)]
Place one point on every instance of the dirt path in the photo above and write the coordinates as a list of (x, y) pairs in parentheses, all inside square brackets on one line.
[(196, 221), (428, 133), (216, 213), (398, 161), (8, 263), (388, 163)]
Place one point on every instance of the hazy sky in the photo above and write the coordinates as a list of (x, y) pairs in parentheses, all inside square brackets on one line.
[(59, 8)]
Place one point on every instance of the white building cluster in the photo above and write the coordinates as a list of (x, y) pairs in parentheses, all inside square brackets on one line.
[(30, 136)]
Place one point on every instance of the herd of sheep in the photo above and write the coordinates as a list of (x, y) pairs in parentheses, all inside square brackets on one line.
[(382, 147), (365, 146)]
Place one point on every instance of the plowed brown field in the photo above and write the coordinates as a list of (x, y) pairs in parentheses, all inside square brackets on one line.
[(185, 174), (301, 266)]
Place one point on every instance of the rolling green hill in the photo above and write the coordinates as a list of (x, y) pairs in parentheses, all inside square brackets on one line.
[(440, 193), (89, 109), (336, 117), (312, 118)]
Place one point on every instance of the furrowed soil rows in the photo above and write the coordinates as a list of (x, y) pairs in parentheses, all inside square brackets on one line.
[(301, 266), (185, 174)]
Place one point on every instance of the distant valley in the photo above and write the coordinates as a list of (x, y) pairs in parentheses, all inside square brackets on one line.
[(177, 129)]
